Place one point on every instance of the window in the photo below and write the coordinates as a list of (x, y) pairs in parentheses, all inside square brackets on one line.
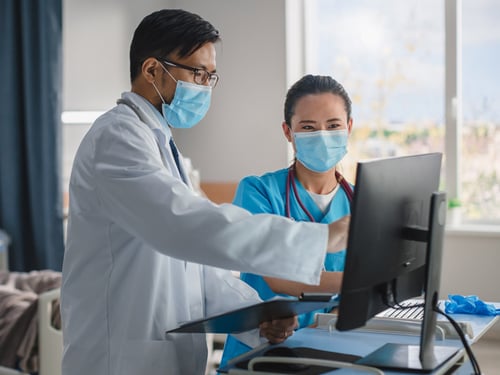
[(391, 58)]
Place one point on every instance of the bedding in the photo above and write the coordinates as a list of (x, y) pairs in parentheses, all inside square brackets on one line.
[(19, 316)]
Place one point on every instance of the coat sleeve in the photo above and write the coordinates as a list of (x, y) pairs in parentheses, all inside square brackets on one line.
[(138, 193), (223, 292)]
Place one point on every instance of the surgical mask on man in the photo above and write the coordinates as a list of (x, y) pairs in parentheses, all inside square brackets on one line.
[(189, 105), (321, 150)]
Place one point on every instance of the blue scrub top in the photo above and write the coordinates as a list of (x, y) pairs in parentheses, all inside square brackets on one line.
[(267, 194)]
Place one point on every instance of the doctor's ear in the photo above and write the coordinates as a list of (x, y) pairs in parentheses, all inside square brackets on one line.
[(149, 68)]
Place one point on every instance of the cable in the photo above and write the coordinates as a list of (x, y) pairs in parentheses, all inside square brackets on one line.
[(472, 357), (391, 300)]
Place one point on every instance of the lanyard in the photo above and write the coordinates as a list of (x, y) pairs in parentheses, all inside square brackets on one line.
[(290, 180)]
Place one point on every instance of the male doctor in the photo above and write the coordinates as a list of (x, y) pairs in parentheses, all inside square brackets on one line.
[(142, 246)]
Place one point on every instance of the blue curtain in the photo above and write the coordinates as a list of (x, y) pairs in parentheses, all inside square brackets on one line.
[(30, 107)]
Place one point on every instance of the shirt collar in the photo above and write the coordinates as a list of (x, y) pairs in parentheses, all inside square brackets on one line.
[(159, 116), (154, 117)]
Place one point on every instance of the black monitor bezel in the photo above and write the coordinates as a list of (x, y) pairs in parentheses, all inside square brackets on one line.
[(407, 260), (400, 188)]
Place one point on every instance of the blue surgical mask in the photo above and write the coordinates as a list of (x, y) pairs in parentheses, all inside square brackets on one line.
[(189, 105), (321, 150)]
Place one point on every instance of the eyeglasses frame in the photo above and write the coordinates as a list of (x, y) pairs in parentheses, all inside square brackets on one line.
[(194, 70)]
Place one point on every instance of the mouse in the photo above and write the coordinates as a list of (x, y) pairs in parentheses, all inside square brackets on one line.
[(281, 351)]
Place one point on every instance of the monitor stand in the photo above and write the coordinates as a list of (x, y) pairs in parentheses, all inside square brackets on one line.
[(407, 357), (424, 357)]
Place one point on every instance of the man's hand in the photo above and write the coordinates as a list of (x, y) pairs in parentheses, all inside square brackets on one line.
[(338, 232), (277, 331)]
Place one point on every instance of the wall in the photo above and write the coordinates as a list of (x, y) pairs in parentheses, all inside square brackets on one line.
[(96, 40), (470, 264), (470, 267)]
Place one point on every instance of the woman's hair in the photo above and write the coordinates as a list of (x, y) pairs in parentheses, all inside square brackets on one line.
[(311, 84), (167, 31)]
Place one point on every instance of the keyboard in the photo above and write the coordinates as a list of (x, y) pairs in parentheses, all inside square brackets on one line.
[(413, 309), (406, 321)]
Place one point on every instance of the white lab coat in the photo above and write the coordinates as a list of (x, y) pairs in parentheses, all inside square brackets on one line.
[(137, 241)]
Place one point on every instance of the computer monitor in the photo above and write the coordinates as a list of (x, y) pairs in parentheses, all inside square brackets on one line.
[(394, 252)]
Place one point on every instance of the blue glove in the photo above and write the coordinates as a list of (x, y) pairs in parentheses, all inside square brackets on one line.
[(469, 305)]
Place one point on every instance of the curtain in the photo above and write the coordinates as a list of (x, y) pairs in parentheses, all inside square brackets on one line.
[(30, 141)]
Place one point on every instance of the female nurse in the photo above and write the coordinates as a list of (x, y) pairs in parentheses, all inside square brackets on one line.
[(317, 124)]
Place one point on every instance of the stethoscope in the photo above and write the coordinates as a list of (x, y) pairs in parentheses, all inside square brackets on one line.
[(290, 181)]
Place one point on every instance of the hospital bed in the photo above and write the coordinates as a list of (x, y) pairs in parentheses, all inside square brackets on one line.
[(48, 347), (49, 339)]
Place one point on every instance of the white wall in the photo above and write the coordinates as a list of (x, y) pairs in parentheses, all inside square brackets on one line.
[(470, 267), (471, 262), (242, 134), (96, 40)]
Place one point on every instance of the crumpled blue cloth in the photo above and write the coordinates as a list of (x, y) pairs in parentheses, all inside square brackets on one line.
[(458, 304)]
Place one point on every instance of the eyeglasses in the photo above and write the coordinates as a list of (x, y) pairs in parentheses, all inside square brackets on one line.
[(201, 76)]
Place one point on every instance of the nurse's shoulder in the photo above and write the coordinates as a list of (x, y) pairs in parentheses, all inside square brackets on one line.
[(269, 180), (259, 193)]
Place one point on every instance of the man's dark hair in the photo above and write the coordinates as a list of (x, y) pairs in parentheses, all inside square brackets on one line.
[(166, 31), (311, 84)]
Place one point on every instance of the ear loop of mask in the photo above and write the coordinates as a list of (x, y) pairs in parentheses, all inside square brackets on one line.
[(156, 88), (292, 139), (158, 92)]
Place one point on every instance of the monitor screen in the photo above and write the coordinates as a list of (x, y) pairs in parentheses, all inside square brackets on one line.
[(394, 253), (382, 266)]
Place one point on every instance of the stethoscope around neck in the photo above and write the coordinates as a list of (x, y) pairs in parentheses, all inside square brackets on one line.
[(290, 181)]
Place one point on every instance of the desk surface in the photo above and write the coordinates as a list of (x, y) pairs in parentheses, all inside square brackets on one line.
[(362, 343), (357, 343)]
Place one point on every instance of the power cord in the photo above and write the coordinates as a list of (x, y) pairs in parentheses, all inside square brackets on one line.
[(397, 305), (468, 349)]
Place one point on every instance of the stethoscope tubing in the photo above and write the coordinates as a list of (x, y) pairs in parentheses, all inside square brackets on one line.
[(290, 181)]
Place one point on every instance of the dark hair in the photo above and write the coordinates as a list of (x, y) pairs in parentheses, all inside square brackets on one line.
[(166, 31), (311, 84)]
